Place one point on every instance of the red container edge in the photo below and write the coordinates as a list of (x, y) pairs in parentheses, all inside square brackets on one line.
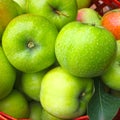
[(4, 116)]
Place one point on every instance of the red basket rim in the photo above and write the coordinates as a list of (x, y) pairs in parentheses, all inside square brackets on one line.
[(86, 117)]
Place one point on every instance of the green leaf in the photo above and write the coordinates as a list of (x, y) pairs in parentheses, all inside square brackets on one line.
[(102, 106)]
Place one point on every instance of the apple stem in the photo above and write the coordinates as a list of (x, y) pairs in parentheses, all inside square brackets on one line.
[(60, 13), (31, 44)]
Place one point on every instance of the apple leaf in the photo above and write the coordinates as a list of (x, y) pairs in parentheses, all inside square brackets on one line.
[(102, 106)]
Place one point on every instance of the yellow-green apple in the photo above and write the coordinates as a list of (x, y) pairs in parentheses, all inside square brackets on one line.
[(8, 10), (29, 41), (59, 12), (88, 15), (64, 95), (111, 77), (85, 50), (15, 105), (83, 4), (7, 75)]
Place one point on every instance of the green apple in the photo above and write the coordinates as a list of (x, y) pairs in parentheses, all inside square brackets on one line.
[(59, 12), (7, 75), (31, 83), (64, 95), (29, 41), (111, 77), (85, 50), (83, 3), (18, 85), (15, 105), (8, 10), (35, 111), (88, 15)]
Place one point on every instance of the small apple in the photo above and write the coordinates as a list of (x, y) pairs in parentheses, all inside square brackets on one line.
[(88, 15), (31, 84), (83, 3), (59, 12), (18, 85), (85, 50), (29, 41), (111, 77), (64, 95)]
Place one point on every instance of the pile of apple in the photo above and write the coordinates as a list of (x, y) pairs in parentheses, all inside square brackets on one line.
[(51, 51)]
